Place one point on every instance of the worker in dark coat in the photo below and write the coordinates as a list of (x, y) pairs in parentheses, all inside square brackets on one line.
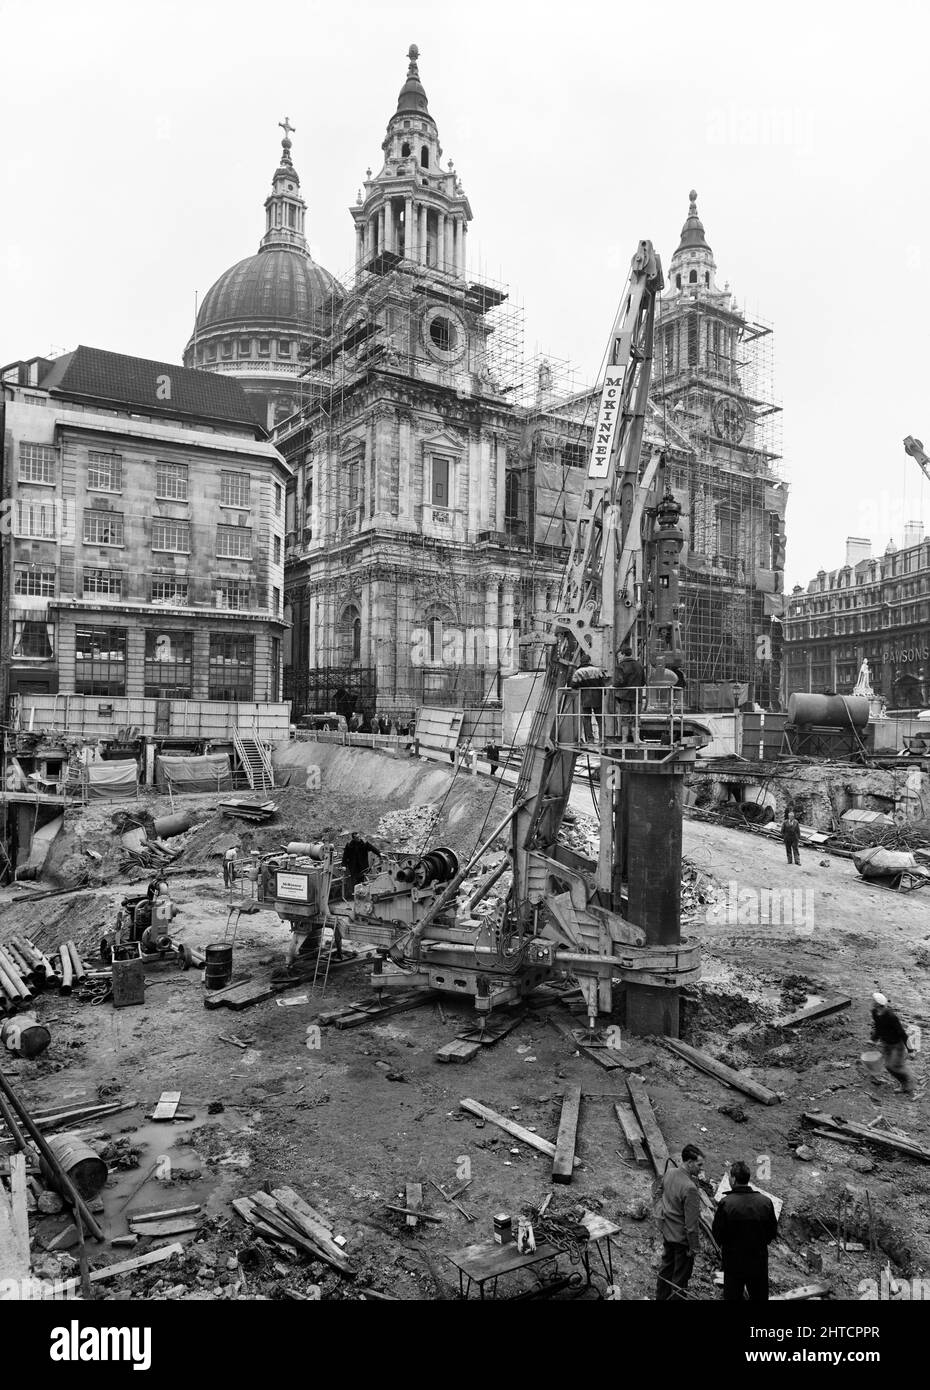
[(679, 1225), (891, 1035), (791, 834), (590, 680), (744, 1227), (629, 677), (355, 860)]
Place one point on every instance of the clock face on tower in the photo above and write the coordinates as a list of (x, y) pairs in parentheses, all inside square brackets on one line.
[(444, 334), (729, 419)]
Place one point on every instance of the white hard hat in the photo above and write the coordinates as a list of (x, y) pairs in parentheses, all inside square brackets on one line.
[(879, 999)]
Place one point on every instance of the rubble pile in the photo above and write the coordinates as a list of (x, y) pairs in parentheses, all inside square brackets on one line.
[(410, 831)]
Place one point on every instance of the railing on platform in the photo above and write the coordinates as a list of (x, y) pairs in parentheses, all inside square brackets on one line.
[(602, 717)]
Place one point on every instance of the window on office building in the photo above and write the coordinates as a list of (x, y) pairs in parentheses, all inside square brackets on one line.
[(233, 593), (104, 472), (32, 639), (102, 581), (36, 463), (34, 581), (171, 535), (171, 481), (234, 489), (100, 661), (234, 542), (103, 528), (168, 665), (232, 661), (169, 590)]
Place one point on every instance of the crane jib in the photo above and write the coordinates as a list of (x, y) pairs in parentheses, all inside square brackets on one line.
[(608, 417)]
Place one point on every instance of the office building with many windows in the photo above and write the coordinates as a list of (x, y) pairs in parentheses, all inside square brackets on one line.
[(142, 535)]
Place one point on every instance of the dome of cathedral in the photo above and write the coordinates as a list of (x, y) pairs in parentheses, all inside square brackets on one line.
[(279, 288)]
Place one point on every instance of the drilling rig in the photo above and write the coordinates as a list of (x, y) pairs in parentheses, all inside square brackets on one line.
[(616, 920)]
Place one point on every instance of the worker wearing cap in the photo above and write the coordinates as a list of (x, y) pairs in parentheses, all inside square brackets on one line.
[(890, 1034), (590, 680), (680, 1225)]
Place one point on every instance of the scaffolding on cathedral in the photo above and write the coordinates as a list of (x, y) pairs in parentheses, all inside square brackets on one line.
[(726, 476)]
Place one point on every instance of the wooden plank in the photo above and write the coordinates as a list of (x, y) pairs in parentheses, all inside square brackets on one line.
[(451, 1200), (413, 1199), (179, 1227), (804, 1291), (154, 1257), (292, 1228), (166, 1215), (881, 1138), (704, 1062), (829, 1006), (14, 1224), (466, 1044), (54, 1119), (632, 1133), (310, 1222), (168, 1103), (371, 1013), (604, 1056), (526, 1136), (413, 1214), (249, 1212), (564, 1159), (652, 1134), (458, 1050), (241, 996)]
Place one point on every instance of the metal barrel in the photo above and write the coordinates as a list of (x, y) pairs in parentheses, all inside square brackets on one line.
[(218, 960), (86, 1169)]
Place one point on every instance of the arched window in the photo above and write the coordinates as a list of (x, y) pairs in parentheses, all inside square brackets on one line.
[(707, 278), (405, 149), (678, 282), (692, 278), (434, 629), (350, 634), (424, 156)]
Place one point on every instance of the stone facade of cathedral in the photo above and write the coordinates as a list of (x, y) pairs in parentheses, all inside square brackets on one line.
[(429, 515)]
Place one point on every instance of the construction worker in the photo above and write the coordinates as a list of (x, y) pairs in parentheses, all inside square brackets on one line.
[(229, 867), (629, 677), (590, 680), (891, 1035), (680, 1225), (791, 834), (744, 1227), (355, 860)]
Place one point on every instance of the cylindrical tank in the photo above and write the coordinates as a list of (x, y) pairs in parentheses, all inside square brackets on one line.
[(84, 1167), (311, 851), (218, 965), (829, 711)]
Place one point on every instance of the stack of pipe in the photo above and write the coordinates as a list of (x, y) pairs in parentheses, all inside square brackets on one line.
[(12, 984)]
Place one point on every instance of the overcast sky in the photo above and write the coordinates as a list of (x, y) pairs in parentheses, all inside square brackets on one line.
[(139, 143)]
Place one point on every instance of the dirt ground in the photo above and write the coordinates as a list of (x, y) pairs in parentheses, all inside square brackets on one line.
[(348, 1122)]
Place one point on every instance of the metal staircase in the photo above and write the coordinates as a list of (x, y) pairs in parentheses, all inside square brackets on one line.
[(255, 760)]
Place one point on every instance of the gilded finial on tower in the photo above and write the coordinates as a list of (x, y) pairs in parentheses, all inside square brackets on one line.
[(413, 54), (692, 210)]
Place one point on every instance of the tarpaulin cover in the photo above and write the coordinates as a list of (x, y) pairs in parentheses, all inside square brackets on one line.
[(210, 773), (108, 780)]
